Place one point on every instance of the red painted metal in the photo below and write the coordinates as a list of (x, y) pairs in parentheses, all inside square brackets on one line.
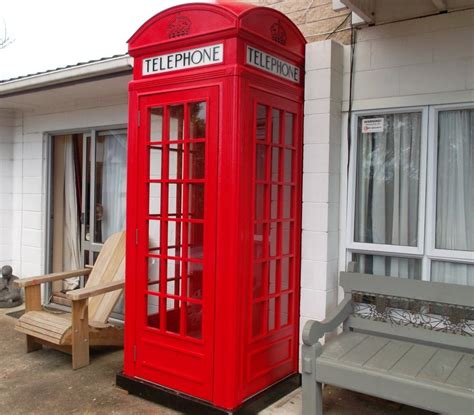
[(213, 206)]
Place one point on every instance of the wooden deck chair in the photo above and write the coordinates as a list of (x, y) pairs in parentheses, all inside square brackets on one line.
[(92, 305)]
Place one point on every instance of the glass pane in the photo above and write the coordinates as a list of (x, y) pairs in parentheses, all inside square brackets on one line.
[(272, 277), (175, 162), (195, 240), (176, 120), (260, 169), (87, 201), (452, 273), (175, 200), (259, 201), (287, 199), (275, 163), (156, 124), (156, 153), (110, 183), (258, 240), (173, 315), (175, 231), (271, 313), (194, 320), (258, 278), (455, 180), (197, 157), (257, 318), (276, 126), (154, 205), (194, 280), (173, 275), (261, 127), (153, 274), (154, 236), (284, 309), (197, 120), (285, 274), (388, 266), (273, 239), (196, 201), (274, 202), (288, 165), (387, 181), (153, 316), (286, 238), (289, 129)]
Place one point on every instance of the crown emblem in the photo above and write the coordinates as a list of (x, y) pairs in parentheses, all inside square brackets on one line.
[(179, 27), (278, 33)]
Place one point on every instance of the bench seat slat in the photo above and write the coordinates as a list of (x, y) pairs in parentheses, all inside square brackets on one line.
[(389, 355), (440, 366), (414, 360), (343, 344), (463, 374), (365, 350)]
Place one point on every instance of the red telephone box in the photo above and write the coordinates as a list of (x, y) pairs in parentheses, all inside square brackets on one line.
[(213, 205)]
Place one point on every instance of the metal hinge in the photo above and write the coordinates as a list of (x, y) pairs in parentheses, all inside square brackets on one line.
[(139, 117), (134, 353), (136, 236)]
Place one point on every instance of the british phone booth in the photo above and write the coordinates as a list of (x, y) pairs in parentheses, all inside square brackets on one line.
[(213, 205)]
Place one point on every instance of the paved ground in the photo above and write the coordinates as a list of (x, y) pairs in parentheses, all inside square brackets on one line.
[(44, 383)]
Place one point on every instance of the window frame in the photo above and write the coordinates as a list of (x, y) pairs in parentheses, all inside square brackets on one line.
[(425, 250), (361, 247)]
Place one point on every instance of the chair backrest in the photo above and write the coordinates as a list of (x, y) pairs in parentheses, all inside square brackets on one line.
[(109, 267)]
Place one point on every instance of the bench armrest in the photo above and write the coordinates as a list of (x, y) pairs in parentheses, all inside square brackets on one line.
[(314, 330), (83, 293), (28, 282)]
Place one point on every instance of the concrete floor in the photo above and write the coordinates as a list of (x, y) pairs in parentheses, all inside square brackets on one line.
[(44, 383)]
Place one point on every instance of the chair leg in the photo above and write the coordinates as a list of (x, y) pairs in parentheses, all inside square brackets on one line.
[(32, 345), (80, 334)]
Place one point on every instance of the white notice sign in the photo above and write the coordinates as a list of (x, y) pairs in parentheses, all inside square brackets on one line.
[(372, 125), (185, 59), (272, 64)]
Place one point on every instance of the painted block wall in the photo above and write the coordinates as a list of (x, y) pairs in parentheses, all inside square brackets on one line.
[(28, 214), (424, 61)]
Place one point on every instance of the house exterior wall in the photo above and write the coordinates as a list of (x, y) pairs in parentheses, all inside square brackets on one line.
[(421, 62), (26, 236)]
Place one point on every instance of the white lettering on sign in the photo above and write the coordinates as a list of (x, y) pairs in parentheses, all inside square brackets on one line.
[(372, 125), (272, 64), (207, 55)]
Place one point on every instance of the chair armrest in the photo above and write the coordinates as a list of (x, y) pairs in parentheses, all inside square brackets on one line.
[(28, 282), (83, 293), (314, 330)]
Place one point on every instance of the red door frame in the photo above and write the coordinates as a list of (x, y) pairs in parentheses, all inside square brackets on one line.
[(189, 360)]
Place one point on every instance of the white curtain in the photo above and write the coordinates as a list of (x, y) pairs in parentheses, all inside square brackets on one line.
[(455, 194), (114, 184), (388, 174), (71, 235)]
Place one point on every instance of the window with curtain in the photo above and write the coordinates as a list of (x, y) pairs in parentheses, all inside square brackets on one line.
[(393, 232)]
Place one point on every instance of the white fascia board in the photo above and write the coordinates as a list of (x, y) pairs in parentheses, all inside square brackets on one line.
[(84, 71)]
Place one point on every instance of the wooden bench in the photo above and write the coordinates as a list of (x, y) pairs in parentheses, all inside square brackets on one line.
[(403, 340)]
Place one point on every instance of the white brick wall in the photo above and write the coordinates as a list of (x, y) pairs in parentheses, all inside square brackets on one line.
[(23, 178)]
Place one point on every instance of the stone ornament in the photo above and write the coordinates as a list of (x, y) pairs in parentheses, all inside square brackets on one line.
[(10, 296)]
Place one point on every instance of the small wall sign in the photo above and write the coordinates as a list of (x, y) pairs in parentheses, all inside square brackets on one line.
[(372, 125), (185, 59), (272, 64)]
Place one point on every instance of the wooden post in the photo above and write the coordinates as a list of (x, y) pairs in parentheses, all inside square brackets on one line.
[(32, 303), (80, 333)]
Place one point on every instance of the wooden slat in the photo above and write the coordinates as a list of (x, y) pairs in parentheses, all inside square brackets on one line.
[(365, 350), (88, 292), (28, 282), (440, 366), (388, 355), (413, 361), (35, 332), (401, 287), (110, 266), (342, 344), (463, 374), (45, 326), (55, 333)]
